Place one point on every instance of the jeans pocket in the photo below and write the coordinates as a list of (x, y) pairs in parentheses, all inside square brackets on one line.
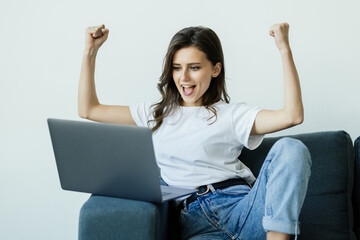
[(235, 190)]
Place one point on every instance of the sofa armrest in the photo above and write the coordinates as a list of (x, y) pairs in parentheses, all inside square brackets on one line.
[(116, 218), (356, 195)]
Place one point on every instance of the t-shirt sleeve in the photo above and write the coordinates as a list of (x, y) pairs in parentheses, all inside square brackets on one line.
[(243, 121), (141, 114)]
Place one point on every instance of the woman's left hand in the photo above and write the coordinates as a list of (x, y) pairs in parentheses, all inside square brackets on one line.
[(281, 34)]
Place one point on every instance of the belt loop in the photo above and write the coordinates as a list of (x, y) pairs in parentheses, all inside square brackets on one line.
[(212, 188)]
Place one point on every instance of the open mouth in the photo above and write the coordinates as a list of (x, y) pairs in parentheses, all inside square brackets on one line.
[(188, 89)]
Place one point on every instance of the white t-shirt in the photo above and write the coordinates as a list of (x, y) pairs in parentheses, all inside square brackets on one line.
[(192, 151)]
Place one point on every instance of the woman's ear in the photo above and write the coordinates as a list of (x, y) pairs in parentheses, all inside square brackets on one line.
[(217, 70)]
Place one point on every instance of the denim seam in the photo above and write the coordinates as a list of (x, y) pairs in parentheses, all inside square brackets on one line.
[(268, 172)]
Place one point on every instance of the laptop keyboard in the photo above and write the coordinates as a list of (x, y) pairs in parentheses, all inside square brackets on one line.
[(165, 193)]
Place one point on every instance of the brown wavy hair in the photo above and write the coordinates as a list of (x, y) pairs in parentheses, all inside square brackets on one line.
[(206, 41)]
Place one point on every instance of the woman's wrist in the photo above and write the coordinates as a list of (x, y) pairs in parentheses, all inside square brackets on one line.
[(285, 50), (90, 52)]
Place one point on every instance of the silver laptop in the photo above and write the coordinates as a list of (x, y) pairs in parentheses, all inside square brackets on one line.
[(108, 159)]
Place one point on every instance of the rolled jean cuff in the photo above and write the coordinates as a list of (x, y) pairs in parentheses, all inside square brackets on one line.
[(292, 228)]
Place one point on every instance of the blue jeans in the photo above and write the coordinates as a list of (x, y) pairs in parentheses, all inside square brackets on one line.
[(244, 213)]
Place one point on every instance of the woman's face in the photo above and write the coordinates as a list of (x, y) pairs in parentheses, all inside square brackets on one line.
[(192, 74)]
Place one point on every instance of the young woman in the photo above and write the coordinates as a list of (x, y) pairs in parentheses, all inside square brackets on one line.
[(198, 136)]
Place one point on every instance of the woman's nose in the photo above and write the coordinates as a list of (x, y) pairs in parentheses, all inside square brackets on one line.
[(184, 75)]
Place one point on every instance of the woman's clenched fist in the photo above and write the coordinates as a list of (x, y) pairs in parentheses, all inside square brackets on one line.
[(281, 34), (95, 36)]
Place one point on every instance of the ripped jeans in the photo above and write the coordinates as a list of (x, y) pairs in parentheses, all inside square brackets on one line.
[(244, 213)]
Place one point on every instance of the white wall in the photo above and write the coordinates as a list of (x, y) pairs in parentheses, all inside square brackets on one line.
[(41, 45)]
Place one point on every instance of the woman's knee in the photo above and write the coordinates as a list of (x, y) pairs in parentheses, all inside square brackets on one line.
[(293, 151)]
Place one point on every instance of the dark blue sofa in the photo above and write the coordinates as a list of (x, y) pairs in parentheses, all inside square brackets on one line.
[(330, 211)]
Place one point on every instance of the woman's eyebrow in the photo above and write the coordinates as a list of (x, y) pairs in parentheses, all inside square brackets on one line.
[(193, 63)]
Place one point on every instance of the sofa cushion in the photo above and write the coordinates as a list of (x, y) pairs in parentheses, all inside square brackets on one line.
[(327, 212), (117, 218)]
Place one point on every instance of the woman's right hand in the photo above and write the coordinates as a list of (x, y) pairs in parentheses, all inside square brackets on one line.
[(95, 36)]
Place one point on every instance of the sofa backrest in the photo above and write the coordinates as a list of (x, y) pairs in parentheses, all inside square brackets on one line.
[(327, 212)]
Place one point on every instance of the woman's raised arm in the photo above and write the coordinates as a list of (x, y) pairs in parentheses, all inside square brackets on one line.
[(88, 103), (292, 113)]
